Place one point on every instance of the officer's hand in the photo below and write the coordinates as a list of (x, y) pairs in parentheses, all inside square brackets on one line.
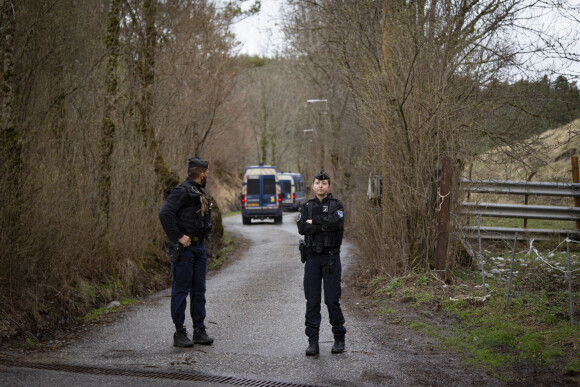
[(185, 241), (309, 221)]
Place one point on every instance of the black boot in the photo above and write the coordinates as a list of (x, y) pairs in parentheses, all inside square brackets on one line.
[(338, 347), (312, 349), (201, 337), (180, 338)]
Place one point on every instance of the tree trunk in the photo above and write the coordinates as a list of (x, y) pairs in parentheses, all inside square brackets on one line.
[(10, 144), (108, 129), (11, 164), (10, 137), (167, 179)]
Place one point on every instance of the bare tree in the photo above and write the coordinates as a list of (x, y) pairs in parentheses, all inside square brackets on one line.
[(417, 72), (196, 73), (145, 35), (10, 142), (109, 125), (80, 115), (11, 164), (277, 105), (551, 37)]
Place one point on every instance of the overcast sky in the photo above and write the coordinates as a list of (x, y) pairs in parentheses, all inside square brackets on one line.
[(260, 34)]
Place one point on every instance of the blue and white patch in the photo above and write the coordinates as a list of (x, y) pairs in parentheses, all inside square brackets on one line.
[(340, 213), (299, 216)]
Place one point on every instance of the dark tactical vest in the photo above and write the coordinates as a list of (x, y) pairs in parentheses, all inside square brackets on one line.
[(194, 217), (324, 239)]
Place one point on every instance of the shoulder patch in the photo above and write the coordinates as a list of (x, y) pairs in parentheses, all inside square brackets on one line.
[(340, 214)]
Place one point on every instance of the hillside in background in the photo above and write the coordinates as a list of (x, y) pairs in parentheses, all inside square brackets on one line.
[(542, 158), (546, 156)]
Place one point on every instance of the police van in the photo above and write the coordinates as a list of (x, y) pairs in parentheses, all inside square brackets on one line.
[(261, 195), (293, 190)]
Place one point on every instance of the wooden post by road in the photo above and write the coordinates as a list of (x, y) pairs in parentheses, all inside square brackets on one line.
[(576, 179), (443, 218)]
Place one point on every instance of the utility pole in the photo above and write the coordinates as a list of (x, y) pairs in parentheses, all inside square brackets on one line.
[(325, 158)]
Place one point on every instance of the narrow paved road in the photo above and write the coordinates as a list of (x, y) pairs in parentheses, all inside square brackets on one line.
[(255, 312)]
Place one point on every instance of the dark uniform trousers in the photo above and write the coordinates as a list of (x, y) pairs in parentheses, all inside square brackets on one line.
[(314, 278), (189, 278)]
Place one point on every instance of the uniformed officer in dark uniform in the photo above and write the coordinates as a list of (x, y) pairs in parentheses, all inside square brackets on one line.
[(186, 219), (321, 221)]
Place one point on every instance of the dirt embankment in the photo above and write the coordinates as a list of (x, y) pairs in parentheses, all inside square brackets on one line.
[(225, 189)]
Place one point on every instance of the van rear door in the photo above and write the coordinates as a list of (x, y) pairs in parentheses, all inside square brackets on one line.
[(253, 191), (286, 186), (261, 191), (268, 194)]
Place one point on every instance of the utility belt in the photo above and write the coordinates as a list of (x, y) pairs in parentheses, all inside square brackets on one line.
[(175, 250), (196, 241), (326, 244), (325, 250), (318, 250)]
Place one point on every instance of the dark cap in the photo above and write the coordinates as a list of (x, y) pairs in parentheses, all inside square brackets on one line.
[(322, 175), (196, 162)]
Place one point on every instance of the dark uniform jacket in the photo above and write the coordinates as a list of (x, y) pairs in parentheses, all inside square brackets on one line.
[(186, 211), (327, 228)]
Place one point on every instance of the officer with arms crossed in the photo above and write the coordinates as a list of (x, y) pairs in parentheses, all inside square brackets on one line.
[(186, 219), (321, 221)]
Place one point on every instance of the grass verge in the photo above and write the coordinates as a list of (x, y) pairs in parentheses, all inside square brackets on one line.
[(230, 244), (534, 335), (97, 313)]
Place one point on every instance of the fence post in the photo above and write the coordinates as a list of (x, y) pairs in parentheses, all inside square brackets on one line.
[(570, 280), (443, 218), (507, 300), (526, 198), (576, 179)]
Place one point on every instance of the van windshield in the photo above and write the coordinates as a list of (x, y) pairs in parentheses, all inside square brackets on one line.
[(269, 185), (253, 186)]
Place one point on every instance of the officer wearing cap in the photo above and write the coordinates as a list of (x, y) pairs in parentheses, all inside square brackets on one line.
[(321, 221), (186, 219)]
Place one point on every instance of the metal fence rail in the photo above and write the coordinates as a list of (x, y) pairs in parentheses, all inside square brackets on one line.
[(521, 210), (511, 187), (508, 233), (478, 209)]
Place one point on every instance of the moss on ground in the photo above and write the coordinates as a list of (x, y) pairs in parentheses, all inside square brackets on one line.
[(535, 329)]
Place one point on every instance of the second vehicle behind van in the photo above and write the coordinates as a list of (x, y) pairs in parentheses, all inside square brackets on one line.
[(293, 190)]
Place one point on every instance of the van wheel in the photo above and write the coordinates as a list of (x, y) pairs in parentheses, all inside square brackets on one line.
[(246, 219), (278, 219)]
